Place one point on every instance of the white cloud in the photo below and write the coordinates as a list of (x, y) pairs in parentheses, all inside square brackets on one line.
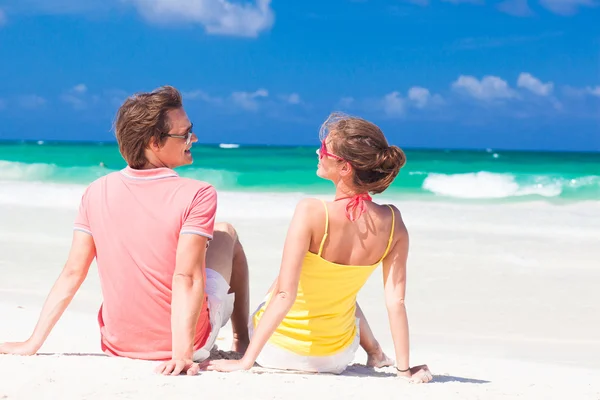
[(534, 85), (2, 17), (201, 95), (579, 92), (31, 101), (248, 100), (76, 96), (81, 88), (293, 98), (517, 8), (420, 96), (593, 91), (246, 18), (77, 102), (220, 17), (487, 89), (566, 7), (394, 104)]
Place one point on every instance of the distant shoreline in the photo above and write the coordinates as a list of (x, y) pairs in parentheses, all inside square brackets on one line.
[(44, 142)]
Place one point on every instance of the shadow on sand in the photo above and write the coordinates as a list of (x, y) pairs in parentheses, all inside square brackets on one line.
[(361, 370), (354, 370)]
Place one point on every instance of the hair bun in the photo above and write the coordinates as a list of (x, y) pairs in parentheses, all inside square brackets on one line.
[(396, 156), (390, 160)]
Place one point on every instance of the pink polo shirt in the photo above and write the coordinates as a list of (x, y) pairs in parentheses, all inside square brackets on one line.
[(135, 218)]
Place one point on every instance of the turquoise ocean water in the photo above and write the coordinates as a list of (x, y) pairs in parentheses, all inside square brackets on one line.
[(453, 175)]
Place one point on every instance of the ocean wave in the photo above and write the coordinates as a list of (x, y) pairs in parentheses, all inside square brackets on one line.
[(229, 145), (232, 204), (482, 185), (10, 170), (51, 173), (37, 172), (488, 185)]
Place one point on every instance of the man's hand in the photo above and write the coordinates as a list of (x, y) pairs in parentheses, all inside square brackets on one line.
[(176, 367), (19, 348)]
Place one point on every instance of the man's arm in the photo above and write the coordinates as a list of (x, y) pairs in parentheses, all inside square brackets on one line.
[(188, 281), (188, 293), (68, 283), (186, 303)]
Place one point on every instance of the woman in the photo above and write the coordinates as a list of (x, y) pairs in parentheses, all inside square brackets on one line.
[(310, 320)]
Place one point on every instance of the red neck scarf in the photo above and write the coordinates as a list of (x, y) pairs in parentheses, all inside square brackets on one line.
[(356, 206)]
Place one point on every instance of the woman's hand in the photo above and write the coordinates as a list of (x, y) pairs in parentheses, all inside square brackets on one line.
[(228, 365), (26, 348), (418, 374)]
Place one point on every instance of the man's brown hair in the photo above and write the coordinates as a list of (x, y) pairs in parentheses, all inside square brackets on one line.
[(141, 117)]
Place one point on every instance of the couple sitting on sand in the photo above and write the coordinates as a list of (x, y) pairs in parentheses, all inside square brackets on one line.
[(171, 277)]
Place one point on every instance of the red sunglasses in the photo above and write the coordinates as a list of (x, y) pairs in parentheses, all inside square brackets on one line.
[(323, 152)]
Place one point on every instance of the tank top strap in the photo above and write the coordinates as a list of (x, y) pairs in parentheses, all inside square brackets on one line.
[(387, 249), (326, 228)]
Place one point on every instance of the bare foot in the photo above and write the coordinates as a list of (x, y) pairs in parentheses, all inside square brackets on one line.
[(378, 359)]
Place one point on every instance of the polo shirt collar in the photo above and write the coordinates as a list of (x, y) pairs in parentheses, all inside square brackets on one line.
[(148, 174)]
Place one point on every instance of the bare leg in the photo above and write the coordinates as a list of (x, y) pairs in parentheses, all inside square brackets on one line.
[(226, 256), (375, 355)]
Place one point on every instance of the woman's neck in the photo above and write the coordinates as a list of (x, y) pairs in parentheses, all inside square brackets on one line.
[(344, 190)]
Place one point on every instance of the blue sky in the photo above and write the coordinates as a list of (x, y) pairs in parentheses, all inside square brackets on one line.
[(516, 74)]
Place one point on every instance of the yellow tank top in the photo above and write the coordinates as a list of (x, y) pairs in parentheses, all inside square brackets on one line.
[(322, 320)]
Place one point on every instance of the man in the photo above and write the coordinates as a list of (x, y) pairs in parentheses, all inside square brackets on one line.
[(165, 290)]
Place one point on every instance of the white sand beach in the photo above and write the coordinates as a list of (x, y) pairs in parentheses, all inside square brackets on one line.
[(502, 301)]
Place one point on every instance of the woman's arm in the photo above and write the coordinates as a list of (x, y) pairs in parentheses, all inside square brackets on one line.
[(72, 276), (394, 277), (284, 291)]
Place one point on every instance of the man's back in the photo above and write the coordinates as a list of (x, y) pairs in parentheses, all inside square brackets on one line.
[(136, 217)]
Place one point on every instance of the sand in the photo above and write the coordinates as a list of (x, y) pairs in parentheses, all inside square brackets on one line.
[(502, 303)]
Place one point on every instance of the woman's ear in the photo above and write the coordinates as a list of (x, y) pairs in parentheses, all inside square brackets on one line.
[(346, 169)]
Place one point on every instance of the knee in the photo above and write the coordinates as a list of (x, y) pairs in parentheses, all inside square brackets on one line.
[(226, 228)]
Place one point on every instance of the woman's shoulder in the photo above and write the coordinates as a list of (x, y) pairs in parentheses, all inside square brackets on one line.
[(399, 226), (310, 205), (309, 212)]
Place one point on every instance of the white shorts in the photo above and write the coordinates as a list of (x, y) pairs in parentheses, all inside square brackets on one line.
[(220, 307), (276, 357)]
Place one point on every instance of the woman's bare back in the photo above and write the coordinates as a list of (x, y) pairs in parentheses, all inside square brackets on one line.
[(362, 242)]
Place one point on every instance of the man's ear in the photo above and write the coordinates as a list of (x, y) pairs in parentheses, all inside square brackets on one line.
[(153, 144)]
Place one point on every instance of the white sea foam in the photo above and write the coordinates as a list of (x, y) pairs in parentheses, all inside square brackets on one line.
[(229, 145), (487, 185), (68, 196), (10, 170), (41, 194)]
